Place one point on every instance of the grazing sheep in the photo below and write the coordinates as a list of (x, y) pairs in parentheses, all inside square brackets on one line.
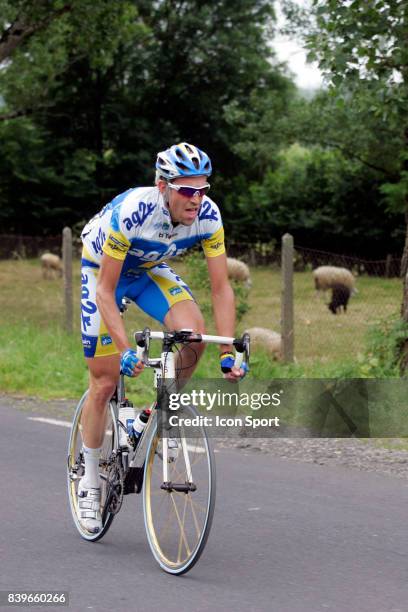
[(340, 281), (239, 271), (340, 297), (51, 265), (266, 338), (325, 277)]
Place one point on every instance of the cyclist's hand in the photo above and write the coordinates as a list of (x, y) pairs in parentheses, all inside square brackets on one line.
[(231, 372), (130, 364)]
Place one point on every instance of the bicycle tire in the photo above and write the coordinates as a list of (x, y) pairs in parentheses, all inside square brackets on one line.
[(75, 468), (179, 551)]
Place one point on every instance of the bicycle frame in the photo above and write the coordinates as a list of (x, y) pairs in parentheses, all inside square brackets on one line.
[(164, 367)]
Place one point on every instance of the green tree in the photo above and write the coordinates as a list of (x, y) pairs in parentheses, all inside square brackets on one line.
[(102, 108), (361, 46)]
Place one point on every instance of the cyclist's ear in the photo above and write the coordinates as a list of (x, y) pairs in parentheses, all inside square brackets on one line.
[(162, 185)]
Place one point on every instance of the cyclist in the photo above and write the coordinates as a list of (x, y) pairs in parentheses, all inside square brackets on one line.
[(124, 251)]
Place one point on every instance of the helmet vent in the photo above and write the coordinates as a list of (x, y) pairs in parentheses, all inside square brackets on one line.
[(181, 166)]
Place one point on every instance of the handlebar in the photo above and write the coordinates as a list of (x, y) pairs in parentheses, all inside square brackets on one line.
[(187, 336)]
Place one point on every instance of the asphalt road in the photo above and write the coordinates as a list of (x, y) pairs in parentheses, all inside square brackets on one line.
[(286, 537)]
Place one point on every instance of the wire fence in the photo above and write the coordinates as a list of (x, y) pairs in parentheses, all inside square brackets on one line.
[(263, 254), (333, 316), (26, 247), (323, 332)]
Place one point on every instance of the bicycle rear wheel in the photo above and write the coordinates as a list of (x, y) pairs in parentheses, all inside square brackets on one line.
[(76, 469), (178, 515)]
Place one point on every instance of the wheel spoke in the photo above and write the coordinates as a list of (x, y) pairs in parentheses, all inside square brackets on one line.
[(181, 527), (178, 522), (180, 539), (194, 517)]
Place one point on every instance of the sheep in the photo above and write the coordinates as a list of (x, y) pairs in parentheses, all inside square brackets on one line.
[(340, 281), (340, 297), (51, 265), (265, 338), (238, 271), (327, 276)]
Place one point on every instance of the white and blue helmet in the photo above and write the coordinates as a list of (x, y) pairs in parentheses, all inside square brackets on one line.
[(183, 160)]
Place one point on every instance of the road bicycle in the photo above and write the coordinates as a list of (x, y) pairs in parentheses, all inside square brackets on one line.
[(176, 474)]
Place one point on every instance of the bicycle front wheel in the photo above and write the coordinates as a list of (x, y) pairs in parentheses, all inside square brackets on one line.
[(178, 513), (76, 469)]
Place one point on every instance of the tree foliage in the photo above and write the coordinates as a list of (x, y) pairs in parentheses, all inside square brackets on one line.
[(361, 46), (89, 92), (105, 87)]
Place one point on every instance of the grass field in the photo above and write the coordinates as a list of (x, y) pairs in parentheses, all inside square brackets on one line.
[(37, 357)]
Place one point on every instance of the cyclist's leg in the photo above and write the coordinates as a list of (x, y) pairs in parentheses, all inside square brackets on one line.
[(186, 315), (169, 300), (103, 377), (102, 359)]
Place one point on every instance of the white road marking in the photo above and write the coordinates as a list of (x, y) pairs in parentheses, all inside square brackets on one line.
[(197, 449), (50, 421)]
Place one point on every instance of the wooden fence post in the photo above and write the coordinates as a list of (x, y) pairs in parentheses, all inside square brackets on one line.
[(67, 263), (388, 264), (287, 326)]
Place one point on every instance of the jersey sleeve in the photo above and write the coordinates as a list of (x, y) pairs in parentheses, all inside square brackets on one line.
[(211, 228), (214, 245), (116, 245), (118, 238)]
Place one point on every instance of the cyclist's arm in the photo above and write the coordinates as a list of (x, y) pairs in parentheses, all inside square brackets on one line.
[(222, 296), (108, 278)]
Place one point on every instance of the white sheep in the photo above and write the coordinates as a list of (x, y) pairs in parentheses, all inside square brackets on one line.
[(267, 339), (326, 277), (238, 271), (50, 265)]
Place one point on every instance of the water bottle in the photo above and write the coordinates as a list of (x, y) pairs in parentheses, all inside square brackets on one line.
[(140, 422), (126, 417)]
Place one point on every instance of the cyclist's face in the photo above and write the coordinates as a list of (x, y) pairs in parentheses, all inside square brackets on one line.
[(185, 210)]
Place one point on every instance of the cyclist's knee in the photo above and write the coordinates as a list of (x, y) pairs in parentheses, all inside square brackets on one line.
[(101, 390), (197, 324), (104, 372), (185, 315)]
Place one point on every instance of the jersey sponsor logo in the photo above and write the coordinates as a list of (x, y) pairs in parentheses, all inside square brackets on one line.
[(138, 217), (105, 340), (116, 245), (175, 290), (89, 345), (87, 306), (97, 244), (172, 251), (167, 235), (216, 246), (207, 212)]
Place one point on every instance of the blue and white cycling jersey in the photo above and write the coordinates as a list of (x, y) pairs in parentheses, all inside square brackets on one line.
[(136, 227)]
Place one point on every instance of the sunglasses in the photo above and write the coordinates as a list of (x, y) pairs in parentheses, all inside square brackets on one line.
[(190, 192)]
